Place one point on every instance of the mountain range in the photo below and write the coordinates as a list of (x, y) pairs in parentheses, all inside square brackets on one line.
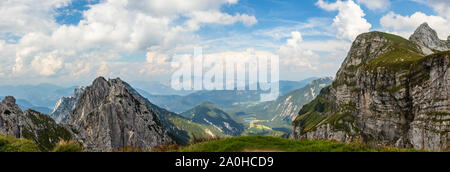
[(223, 98), (42, 95), (389, 91)]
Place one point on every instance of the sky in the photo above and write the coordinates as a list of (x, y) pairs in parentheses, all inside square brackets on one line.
[(71, 42)]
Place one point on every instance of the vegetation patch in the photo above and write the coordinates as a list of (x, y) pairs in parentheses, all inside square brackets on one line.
[(47, 133), (438, 114), (11, 144), (68, 146), (196, 130), (275, 144), (397, 59), (312, 114)]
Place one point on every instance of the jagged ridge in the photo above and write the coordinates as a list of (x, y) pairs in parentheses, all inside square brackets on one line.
[(111, 114)]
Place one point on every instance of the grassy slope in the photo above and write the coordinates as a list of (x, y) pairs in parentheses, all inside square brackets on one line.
[(267, 143), (11, 144), (400, 57)]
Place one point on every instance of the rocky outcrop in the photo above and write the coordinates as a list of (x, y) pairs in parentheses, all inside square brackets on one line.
[(65, 105), (111, 114), (387, 93), (10, 118), (40, 128), (428, 40)]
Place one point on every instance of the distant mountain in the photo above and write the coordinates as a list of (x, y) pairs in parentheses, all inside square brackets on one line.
[(24, 104), (223, 98), (42, 95), (211, 114), (286, 107), (288, 86), (158, 88), (66, 105), (164, 101)]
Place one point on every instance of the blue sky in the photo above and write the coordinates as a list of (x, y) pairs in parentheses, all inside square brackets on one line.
[(73, 41)]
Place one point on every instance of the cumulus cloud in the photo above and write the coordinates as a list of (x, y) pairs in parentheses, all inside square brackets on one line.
[(108, 30), (156, 58), (294, 54), (350, 21), (405, 25), (47, 65), (376, 4), (442, 7), (21, 17)]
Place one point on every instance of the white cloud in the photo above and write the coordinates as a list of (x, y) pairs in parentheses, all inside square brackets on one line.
[(47, 64), (217, 17), (22, 16), (315, 26), (293, 54), (156, 58), (2, 44), (350, 21), (442, 7), (376, 4), (331, 46), (405, 25), (174, 7), (107, 31)]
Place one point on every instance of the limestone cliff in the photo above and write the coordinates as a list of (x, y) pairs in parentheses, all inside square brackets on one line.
[(111, 114), (388, 92)]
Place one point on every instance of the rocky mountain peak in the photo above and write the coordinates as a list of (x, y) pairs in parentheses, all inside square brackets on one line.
[(8, 106), (9, 100), (371, 45), (65, 105), (111, 114), (387, 93), (428, 39), (100, 82)]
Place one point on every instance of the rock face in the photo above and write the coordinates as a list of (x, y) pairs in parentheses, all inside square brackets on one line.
[(111, 114), (387, 93), (286, 107), (40, 128), (428, 40), (65, 105), (10, 117), (213, 115)]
